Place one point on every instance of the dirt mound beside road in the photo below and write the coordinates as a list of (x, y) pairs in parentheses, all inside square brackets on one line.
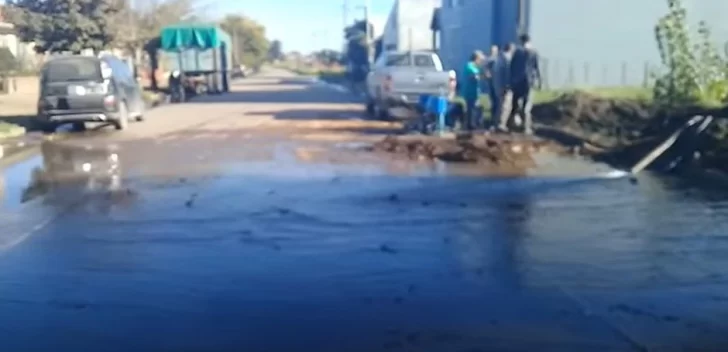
[(625, 130), (605, 122)]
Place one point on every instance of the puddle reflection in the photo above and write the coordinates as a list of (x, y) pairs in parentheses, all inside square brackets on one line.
[(70, 172)]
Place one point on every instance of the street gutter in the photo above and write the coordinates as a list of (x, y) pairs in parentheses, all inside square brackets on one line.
[(17, 146)]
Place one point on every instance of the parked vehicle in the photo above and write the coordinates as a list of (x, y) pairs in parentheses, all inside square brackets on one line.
[(201, 52), (239, 71), (78, 89), (400, 78)]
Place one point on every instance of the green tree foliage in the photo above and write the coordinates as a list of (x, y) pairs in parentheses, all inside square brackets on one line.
[(137, 26), (693, 70), (275, 52), (250, 45), (64, 25), (328, 57)]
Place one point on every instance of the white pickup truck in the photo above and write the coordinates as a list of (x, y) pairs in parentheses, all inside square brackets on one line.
[(399, 78)]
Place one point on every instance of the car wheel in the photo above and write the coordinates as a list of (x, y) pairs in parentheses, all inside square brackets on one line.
[(123, 122), (371, 108), (46, 127), (78, 126), (381, 112)]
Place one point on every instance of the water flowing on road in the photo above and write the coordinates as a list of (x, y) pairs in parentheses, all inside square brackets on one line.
[(283, 255)]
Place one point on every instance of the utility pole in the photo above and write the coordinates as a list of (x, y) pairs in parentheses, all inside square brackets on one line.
[(345, 22), (134, 37), (368, 31), (234, 47), (345, 13)]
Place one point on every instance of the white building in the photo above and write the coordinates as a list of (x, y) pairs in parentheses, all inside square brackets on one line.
[(24, 52), (408, 25)]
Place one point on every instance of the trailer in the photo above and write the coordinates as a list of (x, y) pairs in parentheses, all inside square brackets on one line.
[(201, 52)]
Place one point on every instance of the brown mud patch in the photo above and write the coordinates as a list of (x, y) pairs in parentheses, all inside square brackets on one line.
[(605, 123), (498, 152), (622, 131)]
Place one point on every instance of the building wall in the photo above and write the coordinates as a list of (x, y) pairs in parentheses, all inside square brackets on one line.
[(408, 25), (414, 21), (595, 50), (582, 43), (390, 35), (467, 25), (24, 52)]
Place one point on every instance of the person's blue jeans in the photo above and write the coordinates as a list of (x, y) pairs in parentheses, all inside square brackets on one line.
[(495, 102)]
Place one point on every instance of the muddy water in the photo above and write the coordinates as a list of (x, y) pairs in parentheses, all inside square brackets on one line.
[(286, 256)]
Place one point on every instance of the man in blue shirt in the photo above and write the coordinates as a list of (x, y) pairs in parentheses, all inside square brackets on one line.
[(525, 75), (470, 88)]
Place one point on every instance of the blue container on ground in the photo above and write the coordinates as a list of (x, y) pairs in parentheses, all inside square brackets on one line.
[(432, 105), (423, 101)]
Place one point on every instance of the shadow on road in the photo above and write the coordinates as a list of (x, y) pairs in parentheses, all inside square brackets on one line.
[(311, 95), (300, 81), (25, 121), (312, 114)]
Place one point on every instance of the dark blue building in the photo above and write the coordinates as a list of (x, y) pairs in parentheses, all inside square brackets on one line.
[(467, 25)]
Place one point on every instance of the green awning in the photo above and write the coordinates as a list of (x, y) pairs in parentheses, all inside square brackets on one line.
[(192, 36)]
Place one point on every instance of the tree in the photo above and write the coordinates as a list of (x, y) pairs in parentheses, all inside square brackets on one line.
[(275, 52), (693, 69), (64, 25), (143, 23), (328, 57), (250, 46)]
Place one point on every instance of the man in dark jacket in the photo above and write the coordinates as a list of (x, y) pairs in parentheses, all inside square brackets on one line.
[(525, 75)]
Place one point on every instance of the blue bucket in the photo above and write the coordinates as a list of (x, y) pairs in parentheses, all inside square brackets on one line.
[(423, 101), (431, 105)]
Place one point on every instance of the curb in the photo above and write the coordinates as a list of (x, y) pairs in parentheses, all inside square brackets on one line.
[(17, 139), (11, 147)]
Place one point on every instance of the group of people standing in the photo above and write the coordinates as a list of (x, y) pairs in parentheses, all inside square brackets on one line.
[(508, 75)]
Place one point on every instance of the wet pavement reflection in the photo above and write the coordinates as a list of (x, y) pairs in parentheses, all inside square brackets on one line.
[(338, 259)]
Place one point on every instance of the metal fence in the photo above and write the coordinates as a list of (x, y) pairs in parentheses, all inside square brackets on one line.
[(564, 73)]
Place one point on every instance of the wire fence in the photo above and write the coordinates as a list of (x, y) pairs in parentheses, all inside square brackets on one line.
[(565, 74)]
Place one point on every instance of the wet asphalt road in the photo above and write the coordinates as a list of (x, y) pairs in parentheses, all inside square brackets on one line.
[(222, 234)]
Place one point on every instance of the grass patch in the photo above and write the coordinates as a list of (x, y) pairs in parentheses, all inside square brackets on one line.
[(10, 130), (549, 95), (152, 98)]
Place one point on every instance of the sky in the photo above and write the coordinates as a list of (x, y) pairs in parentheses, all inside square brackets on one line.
[(304, 25)]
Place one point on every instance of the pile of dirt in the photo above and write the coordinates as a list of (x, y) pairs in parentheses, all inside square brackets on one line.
[(604, 122), (625, 130), (488, 150)]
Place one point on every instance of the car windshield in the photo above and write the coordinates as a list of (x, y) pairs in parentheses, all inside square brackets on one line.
[(66, 70), (420, 60)]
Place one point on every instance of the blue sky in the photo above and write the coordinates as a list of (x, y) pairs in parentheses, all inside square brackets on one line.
[(303, 25)]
